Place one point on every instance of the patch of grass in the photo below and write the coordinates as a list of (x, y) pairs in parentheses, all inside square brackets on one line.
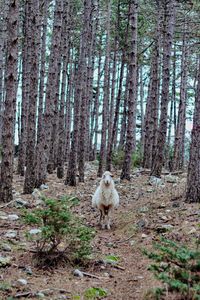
[(111, 259), (95, 293), (5, 287)]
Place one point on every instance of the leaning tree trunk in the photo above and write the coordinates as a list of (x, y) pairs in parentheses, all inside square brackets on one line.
[(169, 16), (193, 178), (10, 100), (131, 126), (30, 176)]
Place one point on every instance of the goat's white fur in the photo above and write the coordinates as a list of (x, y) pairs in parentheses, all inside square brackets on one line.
[(105, 199)]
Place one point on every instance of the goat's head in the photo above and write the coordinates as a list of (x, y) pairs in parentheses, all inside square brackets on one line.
[(107, 178)]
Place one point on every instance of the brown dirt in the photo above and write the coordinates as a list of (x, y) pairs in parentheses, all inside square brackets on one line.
[(138, 203)]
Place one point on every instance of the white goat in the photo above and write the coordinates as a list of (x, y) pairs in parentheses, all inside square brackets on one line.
[(105, 199)]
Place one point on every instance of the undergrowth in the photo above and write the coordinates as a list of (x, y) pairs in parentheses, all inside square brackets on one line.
[(178, 268), (62, 235)]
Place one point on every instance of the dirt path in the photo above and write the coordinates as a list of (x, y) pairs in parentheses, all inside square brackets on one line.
[(143, 210)]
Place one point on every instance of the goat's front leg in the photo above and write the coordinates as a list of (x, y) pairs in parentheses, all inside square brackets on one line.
[(101, 219), (108, 219)]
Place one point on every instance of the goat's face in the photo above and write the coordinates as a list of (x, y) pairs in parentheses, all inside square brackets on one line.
[(107, 178)]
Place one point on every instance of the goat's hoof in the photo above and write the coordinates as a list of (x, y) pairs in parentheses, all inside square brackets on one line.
[(108, 226)]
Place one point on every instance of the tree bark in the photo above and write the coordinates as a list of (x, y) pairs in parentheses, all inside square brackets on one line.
[(131, 126), (10, 100), (168, 37), (102, 159), (30, 175), (193, 177)]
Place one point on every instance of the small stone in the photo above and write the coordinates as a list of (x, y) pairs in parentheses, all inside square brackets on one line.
[(5, 261), (13, 217), (40, 295), (35, 231), (116, 181), (155, 181), (21, 203), (78, 273), (22, 282), (193, 230), (11, 234), (176, 204), (44, 187), (150, 191), (106, 274), (143, 209), (144, 235), (141, 223), (6, 247), (164, 228), (3, 218), (36, 194), (28, 271), (132, 242), (171, 179)]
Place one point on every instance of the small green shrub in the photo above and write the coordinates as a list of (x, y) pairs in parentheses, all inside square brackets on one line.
[(62, 233), (118, 159), (178, 267)]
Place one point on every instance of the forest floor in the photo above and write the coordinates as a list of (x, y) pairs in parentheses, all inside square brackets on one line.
[(144, 209)]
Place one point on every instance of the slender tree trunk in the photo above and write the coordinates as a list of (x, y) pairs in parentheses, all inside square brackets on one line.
[(131, 126), (193, 177), (106, 96), (51, 94), (30, 176), (10, 100), (173, 102), (84, 68), (168, 37), (62, 134), (124, 116), (95, 115), (25, 92), (151, 117), (141, 110), (178, 161)]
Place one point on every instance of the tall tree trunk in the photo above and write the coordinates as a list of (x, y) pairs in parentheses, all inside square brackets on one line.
[(172, 112), (10, 100), (106, 96), (51, 94), (141, 110), (193, 177), (178, 161), (25, 92), (131, 126), (169, 16), (30, 175), (86, 56), (95, 115), (62, 134), (124, 116), (151, 117)]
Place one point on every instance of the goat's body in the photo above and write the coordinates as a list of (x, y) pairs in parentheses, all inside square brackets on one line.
[(105, 199)]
